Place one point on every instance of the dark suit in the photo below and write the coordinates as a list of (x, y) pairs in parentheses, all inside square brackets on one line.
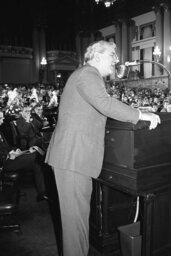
[(77, 147), (37, 123), (29, 133)]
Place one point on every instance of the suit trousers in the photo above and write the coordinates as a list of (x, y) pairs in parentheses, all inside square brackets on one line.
[(74, 190)]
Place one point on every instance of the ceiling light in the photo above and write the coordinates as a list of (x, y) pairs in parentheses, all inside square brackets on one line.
[(107, 3)]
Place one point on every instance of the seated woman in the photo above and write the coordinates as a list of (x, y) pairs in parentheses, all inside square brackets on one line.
[(16, 160)]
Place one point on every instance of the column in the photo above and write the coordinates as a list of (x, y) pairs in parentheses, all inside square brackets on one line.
[(78, 49), (36, 55), (147, 66), (159, 37), (131, 36), (42, 43), (85, 41), (124, 54), (167, 37), (42, 49), (118, 40), (92, 38)]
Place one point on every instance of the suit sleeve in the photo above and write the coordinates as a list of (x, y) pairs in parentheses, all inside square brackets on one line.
[(91, 87)]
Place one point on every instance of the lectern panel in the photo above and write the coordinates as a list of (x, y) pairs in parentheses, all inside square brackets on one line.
[(135, 146)]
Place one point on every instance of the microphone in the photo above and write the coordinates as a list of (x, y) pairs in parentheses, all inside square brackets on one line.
[(133, 63), (122, 70)]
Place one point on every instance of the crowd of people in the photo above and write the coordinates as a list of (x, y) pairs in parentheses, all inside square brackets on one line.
[(22, 115), (146, 99), (12, 98)]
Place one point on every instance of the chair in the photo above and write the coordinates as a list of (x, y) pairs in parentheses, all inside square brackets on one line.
[(9, 199)]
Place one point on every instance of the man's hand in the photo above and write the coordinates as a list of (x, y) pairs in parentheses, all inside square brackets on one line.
[(152, 118)]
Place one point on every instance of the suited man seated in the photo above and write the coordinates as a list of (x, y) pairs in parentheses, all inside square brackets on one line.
[(39, 119), (13, 159), (29, 129), (41, 125)]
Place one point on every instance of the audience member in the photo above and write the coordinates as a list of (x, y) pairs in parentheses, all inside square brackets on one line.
[(14, 159), (37, 113), (29, 130)]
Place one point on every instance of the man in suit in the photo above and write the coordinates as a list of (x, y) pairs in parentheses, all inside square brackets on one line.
[(77, 145), (39, 120), (28, 129), (13, 159)]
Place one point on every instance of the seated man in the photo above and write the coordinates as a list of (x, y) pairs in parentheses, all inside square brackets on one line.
[(16, 160), (41, 125), (38, 118), (28, 130)]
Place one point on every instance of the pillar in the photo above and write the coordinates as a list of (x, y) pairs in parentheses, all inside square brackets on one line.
[(78, 49), (85, 41), (118, 40), (159, 37), (167, 37), (42, 43), (131, 36), (36, 55), (124, 53), (42, 51), (147, 66)]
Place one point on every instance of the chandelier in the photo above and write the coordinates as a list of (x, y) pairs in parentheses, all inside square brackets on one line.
[(107, 3)]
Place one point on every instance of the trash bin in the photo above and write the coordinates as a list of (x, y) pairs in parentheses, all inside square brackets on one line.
[(130, 239)]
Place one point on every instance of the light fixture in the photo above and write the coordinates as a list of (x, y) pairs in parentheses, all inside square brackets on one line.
[(107, 3), (58, 75), (43, 61), (157, 53)]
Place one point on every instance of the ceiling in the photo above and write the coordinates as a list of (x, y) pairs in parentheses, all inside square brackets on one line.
[(63, 18)]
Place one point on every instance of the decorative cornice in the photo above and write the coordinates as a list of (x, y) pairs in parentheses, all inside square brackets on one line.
[(61, 54), (14, 51)]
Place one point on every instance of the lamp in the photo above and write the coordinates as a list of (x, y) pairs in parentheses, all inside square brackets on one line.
[(42, 71), (157, 53), (107, 3), (43, 61)]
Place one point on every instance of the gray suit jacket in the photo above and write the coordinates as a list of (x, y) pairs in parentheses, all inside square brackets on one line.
[(77, 143)]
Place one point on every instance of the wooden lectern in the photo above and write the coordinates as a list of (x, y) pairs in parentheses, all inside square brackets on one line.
[(137, 162)]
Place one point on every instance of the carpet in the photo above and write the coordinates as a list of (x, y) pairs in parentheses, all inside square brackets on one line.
[(37, 236)]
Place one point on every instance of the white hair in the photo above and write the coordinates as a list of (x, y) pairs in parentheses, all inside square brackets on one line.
[(100, 47)]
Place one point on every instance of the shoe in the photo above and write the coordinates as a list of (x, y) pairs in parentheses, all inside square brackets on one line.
[(42, 197)]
